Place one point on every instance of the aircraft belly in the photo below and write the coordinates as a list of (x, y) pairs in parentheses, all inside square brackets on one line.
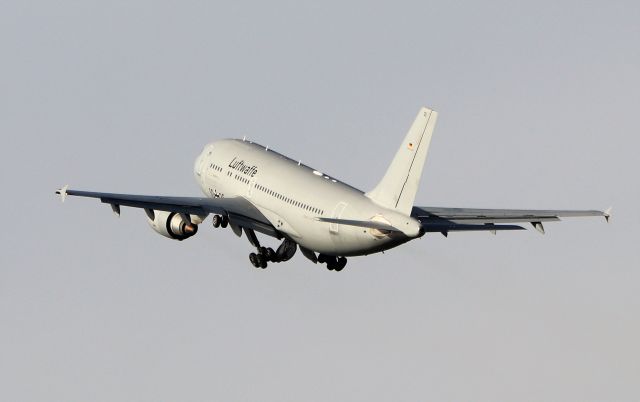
[(348, 241)]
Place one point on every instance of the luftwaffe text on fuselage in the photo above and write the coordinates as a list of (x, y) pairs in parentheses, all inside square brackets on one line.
[(242, 167)]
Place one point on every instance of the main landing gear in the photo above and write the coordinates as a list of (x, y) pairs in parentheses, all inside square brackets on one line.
[(219, 220), (262, 257), (333, 263), (265, 255)]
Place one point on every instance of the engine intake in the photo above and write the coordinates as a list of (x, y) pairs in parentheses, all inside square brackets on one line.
[(172, 224)]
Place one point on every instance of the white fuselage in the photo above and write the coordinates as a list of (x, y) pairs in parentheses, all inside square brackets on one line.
[(291, 196)]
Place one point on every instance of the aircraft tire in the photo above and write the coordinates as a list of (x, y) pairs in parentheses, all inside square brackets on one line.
[(224, 222), (332, 264), (253, 257), (215, 220), (342, 262), (271, 255)]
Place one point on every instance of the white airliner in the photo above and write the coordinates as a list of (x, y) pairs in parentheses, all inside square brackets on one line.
[(251, 188)]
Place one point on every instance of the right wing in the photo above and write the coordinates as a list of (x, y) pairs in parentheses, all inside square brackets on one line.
[(438, 219), (239, 211)]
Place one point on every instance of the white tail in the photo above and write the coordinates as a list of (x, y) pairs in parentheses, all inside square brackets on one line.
[(398, 187)]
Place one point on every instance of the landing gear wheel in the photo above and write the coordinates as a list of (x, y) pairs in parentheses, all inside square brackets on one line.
[(224, 221), (322, 258), (216, 220), (271, 255), (341, 263), (253, 257), (262, 261)]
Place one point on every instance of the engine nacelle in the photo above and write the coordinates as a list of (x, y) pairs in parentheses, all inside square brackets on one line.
[(172, 224)]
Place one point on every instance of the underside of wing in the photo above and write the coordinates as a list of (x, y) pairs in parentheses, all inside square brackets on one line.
[(439, 219), (238, 210)]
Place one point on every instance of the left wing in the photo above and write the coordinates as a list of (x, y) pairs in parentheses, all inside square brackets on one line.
[(438, 219), (238, 209)]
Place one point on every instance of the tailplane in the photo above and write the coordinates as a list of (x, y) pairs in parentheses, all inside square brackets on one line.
[(397, 189)]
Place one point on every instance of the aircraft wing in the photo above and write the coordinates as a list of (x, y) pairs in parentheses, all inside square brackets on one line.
[(240, 211), (438, 219)]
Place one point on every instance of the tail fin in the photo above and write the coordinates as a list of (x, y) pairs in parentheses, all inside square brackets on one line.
[(398, 187)]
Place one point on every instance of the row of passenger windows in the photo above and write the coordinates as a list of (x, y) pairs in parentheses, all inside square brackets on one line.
[(281, 197), (288, 200), (242, 179), (215, 167)]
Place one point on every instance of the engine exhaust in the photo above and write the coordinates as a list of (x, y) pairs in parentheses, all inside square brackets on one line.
[(190, 229)]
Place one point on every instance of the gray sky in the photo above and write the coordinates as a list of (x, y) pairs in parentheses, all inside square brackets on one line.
[(538, 109)]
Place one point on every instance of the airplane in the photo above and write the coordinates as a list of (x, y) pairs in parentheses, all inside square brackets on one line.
[(251, 188)]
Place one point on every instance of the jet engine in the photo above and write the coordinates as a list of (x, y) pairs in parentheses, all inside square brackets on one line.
[(172, 224)]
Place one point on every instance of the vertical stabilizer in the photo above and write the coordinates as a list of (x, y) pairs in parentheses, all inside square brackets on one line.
[(398, 187)]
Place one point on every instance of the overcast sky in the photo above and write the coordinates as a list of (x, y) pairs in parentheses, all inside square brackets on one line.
[(538, 108)]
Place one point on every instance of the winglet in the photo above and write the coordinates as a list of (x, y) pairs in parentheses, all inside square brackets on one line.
[(63, 192), (607, 214)]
